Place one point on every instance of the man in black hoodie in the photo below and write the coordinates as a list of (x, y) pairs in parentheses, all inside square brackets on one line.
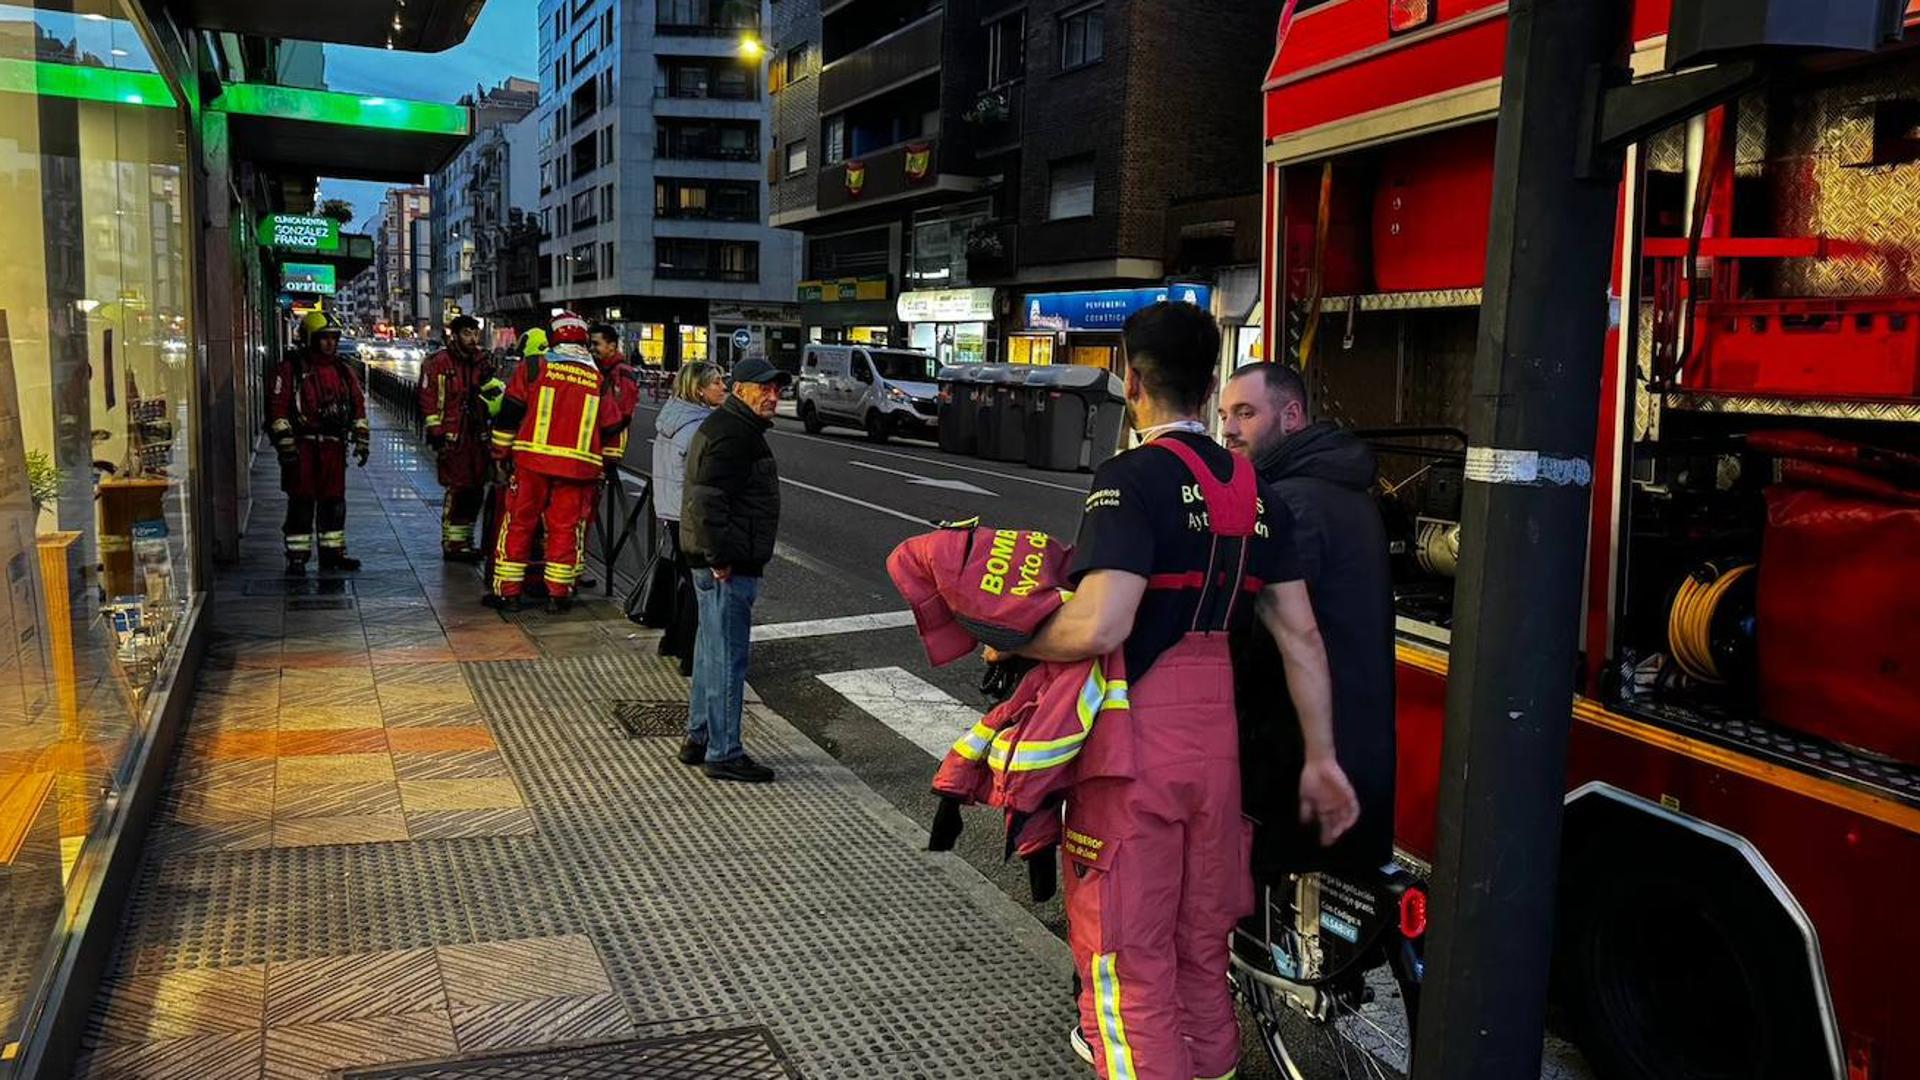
[(1323, 474), (729, 512)]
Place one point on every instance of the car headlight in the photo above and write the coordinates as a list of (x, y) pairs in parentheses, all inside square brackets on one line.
[(894, 393)]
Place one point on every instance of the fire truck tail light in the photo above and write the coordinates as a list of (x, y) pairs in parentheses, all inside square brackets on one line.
[(1413, 914), (1405, 15)]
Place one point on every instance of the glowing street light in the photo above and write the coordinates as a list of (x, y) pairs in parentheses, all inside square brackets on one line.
[(751, 48)]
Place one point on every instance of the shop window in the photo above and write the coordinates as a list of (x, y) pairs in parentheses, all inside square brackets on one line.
[(693, 344), (653, 344), (1032, 349), (1007, 48), (797, 157), (1082, 36), (1070, 189)]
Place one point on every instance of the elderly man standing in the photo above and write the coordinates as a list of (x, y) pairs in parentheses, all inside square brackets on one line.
[(730, 511), (1323, 475)]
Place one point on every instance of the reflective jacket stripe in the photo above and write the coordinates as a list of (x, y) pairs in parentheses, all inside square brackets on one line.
[(530, 447), (1010, 753), (1113, 1025), (587, 417), (542, 418), (439, 400)]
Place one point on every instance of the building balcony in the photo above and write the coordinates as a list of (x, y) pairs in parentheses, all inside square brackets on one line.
[(905, 54), (896, 170), (993, 117), (708, 18), (685, 273)]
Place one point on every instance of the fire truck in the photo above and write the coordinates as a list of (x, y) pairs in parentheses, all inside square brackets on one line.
[(1741, 844)]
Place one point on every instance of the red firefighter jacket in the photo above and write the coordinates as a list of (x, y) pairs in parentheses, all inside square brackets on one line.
[(449, 395), (316, 398), (623, 397), (551, 419), (972, 586)]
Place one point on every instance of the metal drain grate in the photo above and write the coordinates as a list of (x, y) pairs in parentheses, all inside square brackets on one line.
[(747, 1053), (319, 603), (651, 719), (299, 586)]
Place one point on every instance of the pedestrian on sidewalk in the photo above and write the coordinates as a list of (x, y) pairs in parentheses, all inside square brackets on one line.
[(453, 385), (316, 407), (730, 511), (667, 600), (1177, 549), (1324, 475)]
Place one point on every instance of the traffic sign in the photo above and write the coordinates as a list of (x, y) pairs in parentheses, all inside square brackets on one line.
[(743, 338)]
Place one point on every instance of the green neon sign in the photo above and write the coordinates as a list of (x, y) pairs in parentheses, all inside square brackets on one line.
[(83, 83), (312, 279), (351, 110), (299, 232)]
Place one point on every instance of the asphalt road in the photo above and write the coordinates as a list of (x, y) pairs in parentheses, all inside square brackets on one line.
[(846, 503)]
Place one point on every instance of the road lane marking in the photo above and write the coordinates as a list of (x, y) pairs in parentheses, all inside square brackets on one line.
[(875, 507), (849, 624), (925, 481), (936, 462), (917, 710)]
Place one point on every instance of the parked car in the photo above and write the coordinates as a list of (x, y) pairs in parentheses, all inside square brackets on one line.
[(884, 392)]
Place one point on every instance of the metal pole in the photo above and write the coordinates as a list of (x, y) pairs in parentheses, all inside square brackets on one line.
[(1534, 405)]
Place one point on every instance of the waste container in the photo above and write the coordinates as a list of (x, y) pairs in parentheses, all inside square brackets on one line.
[(1003, 422), (1074, 417), (960, 408)]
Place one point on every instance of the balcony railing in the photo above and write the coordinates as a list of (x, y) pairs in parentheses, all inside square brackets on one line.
[(912, 50), (703, 273), (705, 152), (895, 170)]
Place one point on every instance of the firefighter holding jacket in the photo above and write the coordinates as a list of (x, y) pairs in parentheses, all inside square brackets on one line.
[(453, 389), (551, 431), (315, 409)]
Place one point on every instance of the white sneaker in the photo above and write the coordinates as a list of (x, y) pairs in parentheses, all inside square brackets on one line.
[(1080, 1047)]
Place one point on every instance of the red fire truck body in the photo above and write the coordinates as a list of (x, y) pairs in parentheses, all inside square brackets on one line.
[(1687, 802)]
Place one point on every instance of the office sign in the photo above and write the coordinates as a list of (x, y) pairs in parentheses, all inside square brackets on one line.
[(298, 232), (1106, 309), (312, 279), (945, 305)]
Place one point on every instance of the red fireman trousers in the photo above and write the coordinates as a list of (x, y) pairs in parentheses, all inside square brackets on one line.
[(464, 466), (316, 488), (560, 504), (1157, 877)]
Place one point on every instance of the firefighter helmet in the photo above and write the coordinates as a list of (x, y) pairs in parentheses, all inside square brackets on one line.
[(318, 322), (569, 329), (533, 342)]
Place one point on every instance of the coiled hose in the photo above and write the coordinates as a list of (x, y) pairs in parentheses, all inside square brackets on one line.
[(1690, 622)]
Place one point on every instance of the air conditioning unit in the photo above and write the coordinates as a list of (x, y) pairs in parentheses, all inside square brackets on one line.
[(1703, 31)]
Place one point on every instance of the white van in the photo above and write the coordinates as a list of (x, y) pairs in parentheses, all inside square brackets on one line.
[(881, 391)]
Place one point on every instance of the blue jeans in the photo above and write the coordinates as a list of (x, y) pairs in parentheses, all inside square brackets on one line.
[(720, 662)]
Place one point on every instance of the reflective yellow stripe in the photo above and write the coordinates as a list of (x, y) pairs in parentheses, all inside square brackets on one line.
[(1228, 1075), (973, 745), (532, 447), (1113, 1027), (587, 416), (440, 399), (434, 420), (1010, 753), (543, 416), (502, 438)]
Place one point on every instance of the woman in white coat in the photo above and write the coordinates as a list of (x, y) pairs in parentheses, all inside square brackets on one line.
[(697, 391)]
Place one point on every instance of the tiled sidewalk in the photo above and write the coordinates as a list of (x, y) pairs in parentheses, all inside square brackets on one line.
[(402, 828)]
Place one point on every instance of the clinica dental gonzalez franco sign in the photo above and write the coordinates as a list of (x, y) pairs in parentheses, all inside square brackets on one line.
[(314, 279), (298, 232)]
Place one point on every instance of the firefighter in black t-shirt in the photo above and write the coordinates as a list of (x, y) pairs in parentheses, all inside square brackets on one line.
[(1177, 547)]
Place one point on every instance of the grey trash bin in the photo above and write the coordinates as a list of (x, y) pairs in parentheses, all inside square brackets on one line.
[(1074, 417), (959, 408), (1003, 419)]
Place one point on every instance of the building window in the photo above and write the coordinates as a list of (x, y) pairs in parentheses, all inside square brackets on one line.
[(583, 212), (706, 260), (606, 203), (606, 143), (584, 159), (1006, 48), (720, 200), (606, 28), (606, 258), (584, 268), (833, 140), (796, 64), (606, 87), (1082, 37), (1070, 189), (585, 44), (797, 156), (707, 140)]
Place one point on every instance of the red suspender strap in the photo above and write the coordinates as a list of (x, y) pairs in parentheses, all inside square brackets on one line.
[(1232, 507)]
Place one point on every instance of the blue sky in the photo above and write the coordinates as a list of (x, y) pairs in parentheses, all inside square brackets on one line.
[(504, 41)]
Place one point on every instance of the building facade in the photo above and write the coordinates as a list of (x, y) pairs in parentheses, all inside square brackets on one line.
[(994, 181), (654, 136), (403, 255), (470, 197)]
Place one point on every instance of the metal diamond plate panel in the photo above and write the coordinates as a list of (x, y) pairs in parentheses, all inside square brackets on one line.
[(739, 1054), (651, 719)]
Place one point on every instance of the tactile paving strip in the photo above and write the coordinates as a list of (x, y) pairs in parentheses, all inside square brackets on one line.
[(739, 1054)]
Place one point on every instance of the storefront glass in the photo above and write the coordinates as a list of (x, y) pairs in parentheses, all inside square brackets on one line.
[(653, 344), (1034, 349), (96, 419), (693, 344), (951, 343)]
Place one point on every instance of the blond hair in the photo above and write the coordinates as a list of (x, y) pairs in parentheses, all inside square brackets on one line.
[(692, 379)]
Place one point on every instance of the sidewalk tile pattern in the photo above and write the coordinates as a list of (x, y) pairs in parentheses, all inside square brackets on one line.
[(360, 862)]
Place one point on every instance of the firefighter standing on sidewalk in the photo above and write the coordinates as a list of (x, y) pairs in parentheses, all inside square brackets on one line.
[(452, 388), (551, 424), (315, 408)]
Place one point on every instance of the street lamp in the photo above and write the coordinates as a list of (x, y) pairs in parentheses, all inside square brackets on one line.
[(751, 47)]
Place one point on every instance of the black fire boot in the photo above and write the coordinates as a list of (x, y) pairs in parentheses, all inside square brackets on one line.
[(338, 561), (296, 565), (559, 605)]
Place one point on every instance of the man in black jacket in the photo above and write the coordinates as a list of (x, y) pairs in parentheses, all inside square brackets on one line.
[(1324, 475), (729, 512)]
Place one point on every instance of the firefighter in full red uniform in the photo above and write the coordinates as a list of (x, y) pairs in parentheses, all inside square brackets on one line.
[(452, 398), (315, 409), (553, 427)]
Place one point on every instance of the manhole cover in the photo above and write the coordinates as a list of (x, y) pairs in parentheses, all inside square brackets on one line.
[(651, 719), (319, 603), (299, 586), (738, 1054)]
